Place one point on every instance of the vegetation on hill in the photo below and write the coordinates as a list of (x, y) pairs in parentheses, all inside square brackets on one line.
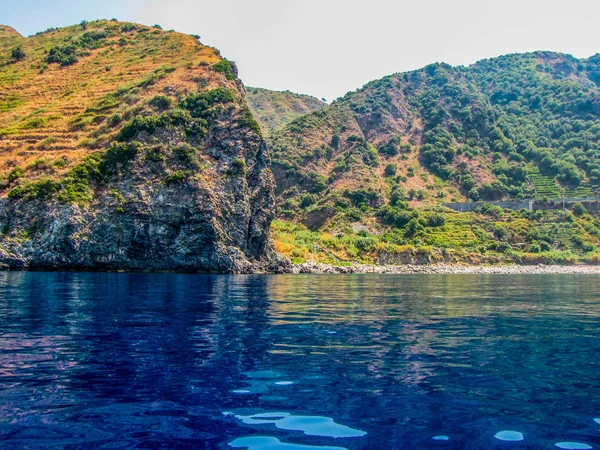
[(105, 117), (434, 234), (68, 92), (126, 147), (501, 128), (517, 126), (274, 109)]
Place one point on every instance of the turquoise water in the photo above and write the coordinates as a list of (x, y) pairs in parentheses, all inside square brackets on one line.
[(299, 362)]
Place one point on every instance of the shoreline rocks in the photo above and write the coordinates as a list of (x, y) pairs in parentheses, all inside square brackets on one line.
[(318, 268)]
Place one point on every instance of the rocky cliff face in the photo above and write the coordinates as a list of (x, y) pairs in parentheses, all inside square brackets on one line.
[(180, 182), (140, 220)]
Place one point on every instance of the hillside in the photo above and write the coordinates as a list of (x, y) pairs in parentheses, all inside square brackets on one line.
[(367, 174), (126, 147), (517, 126), (274, 109)]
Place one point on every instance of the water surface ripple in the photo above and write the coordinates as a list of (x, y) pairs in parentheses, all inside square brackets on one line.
[(299, 362)]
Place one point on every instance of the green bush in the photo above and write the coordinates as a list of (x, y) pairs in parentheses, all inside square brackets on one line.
[(174, 178), (367, 197), (247, 120), (184, 152), (15, 174), (225, 67), (161, 102), (117, 158), (18, 54), (436, 220), (578, 209), (149, 124), (41, 190), (64, 55), (391, 147), (199, 104), (308, 200), (390, 170), (394, 216), (238, 168)]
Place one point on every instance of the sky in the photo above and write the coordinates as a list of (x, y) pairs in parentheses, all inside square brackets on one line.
[(329, 47)]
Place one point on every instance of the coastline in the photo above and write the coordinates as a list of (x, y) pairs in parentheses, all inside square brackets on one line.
[(318, 268)]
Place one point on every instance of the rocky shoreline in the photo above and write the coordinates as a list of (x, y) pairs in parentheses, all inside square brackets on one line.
[(318, 268)]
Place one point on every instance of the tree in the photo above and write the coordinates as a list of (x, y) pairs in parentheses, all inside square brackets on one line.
[(18, 54), (390, 170), (578, 209)]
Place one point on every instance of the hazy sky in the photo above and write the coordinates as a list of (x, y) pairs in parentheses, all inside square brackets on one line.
[(328, 47)]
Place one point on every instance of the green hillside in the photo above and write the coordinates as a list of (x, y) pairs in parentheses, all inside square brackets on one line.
[(443, 133), (275, 109), (365, 174)]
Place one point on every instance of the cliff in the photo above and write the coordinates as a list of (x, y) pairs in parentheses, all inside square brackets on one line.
[(126, 147)]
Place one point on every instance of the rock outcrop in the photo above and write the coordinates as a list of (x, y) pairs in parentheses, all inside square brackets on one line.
[(179, 179)]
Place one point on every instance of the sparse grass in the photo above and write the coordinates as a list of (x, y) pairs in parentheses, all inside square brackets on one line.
[(67, 109)]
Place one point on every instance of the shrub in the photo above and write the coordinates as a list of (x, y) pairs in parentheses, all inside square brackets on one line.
[(247, 120), (390, 170), (161, 102), (15, 174), (578, 209), (76, 185), (318, 183), (18, 54), (225, 67), (413, 227), (436, 220), (238, 168), (64, 55), (307, 200), (117, 157), (335, 141), (174, 178), (394, 216), (36, 122), (42, 190), (391, 148), (149, 124), (184, 152), (490, 210), (367, 197), (198, 104), (16, 193), (369, 155)]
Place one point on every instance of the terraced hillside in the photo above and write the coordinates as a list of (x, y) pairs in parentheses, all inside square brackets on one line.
[(55, 113), (275, 109)]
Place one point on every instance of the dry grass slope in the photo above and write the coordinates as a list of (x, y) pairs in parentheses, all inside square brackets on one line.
[(275, 109), (51, 116)]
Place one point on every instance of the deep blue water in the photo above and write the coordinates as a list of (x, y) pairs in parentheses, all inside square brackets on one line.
[(299, 362)]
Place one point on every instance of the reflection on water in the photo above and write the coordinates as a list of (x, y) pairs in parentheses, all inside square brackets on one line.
[(407, 361), (508, 435), (271, 443), (310, 425), (573, 445)]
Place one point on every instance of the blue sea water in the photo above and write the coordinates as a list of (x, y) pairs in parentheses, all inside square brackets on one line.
[(299, 362)]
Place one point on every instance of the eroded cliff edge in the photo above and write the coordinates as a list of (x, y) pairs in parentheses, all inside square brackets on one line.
[(175, 175)]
